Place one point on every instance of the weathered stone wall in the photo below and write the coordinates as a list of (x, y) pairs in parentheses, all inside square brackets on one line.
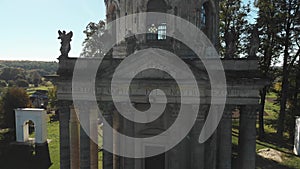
[(186, 9)]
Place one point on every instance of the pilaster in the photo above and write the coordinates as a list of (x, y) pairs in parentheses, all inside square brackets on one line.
[(64, 116), (85, 154), (74, 139), (107, 136)]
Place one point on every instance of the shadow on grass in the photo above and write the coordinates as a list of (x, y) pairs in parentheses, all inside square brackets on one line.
[(20, 157), (262, 163), (269, 138), (272, 139)]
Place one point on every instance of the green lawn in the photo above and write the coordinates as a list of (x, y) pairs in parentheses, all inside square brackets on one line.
[(290, 161), (53, 135), (31, 90)]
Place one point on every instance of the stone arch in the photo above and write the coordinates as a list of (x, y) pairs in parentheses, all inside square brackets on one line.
[(38, 117), (26, 131), (157, 6), (209, 25)]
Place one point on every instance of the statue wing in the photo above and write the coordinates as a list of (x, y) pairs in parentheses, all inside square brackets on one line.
[(70, 34), (60, 33)]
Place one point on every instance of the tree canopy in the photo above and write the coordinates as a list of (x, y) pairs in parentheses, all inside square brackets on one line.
[(12, 98)]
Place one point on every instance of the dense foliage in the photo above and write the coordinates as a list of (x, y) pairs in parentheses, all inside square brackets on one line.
[(92, 44), (23, 73), (44, 68), (235, 27), (12, 98)]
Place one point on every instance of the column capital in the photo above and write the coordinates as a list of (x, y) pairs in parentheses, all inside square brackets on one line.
[(228, 111)]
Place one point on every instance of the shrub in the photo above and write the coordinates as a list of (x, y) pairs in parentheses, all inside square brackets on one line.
[(11, 83), (3, 83), (12, 99), (22, 83)]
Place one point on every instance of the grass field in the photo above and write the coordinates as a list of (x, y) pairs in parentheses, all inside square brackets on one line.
[(53, 135), (290, 161)]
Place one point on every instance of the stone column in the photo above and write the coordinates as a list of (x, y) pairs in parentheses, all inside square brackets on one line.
[(84, 116), (94, 137), (129, 163), (211, 143), (74, 139), (225, 139), (174, 158), (247, 137), (177, 153), (64, 117), (211, 152), (197, 149), (107, 137), (116, 140)]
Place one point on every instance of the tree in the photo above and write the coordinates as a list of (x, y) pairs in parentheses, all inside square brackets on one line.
[(92, 44), (294, 88), (22, 83), (12, 74), (52, 95), (269, 49), (44, 68), (233, 28), (3, 83), (11, 83), (288, 20), (36, 78), (12, 98)]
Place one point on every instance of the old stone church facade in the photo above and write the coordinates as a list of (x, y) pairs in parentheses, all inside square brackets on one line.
[(243, 84)]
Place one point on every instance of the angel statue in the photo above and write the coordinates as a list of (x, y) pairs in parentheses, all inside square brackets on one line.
[(230, 41), (65, 42), (254, 43)]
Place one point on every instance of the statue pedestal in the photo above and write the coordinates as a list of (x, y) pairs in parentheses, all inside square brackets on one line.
[(62, 57)]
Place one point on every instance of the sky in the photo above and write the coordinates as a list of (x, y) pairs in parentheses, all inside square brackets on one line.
[(29, 28)]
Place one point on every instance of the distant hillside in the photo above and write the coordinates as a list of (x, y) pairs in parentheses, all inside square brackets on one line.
[(44, 68)]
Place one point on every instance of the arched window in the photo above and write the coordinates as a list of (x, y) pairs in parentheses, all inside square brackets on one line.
[(157, 6), (162, 31), (206, 16), (156, 27), (203, 17)]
